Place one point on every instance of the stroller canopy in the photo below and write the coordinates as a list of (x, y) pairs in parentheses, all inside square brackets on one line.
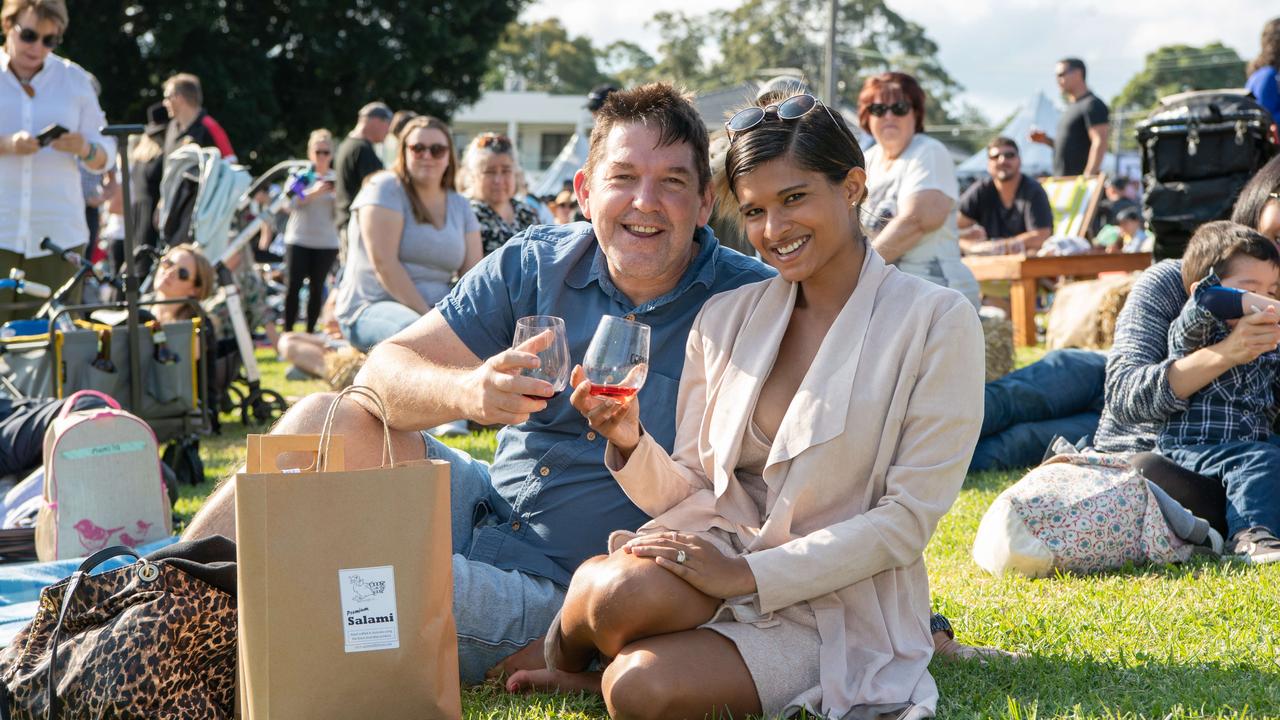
[(199, 192)]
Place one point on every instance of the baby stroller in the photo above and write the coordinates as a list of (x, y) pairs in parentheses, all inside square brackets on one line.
[(200, 194)]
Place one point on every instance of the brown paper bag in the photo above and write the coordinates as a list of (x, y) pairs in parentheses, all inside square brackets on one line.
[(345, 585)]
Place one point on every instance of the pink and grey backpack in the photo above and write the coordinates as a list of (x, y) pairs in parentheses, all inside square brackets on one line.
[(102, 483)]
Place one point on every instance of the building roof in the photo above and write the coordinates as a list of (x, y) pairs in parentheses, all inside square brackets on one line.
[(500, 106)]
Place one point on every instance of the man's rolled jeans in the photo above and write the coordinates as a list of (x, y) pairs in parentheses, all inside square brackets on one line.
[(1059, 395)]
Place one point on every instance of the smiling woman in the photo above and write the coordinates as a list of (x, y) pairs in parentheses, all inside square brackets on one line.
[(49, 130)]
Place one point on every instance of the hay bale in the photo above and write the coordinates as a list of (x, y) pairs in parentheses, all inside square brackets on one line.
[(341, 366), (997, 333)]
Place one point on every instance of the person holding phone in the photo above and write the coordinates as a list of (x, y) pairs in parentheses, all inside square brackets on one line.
[(310, 239), (50, 124)]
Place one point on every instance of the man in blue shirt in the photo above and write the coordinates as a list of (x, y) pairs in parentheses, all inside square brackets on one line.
[(522, 526)]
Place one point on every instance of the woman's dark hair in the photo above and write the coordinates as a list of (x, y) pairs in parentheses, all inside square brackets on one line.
[(1256, 194), (1215, 245), (1269, 53), (818, 141), (893, 86)]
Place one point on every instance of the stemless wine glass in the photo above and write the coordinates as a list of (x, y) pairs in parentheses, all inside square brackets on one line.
[(554, 360), (617, 360)]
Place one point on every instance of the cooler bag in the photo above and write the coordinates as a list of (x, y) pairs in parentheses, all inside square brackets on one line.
[(102, 483), (1198, 151)]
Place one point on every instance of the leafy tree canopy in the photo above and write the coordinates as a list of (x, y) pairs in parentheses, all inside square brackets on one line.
[(1177, 68), (541, 56), (273, 70)]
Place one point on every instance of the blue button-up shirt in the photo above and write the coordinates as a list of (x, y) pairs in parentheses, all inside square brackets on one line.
[(553, 503)]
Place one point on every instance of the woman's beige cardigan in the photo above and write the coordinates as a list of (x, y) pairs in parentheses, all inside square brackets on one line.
[(870, 454)]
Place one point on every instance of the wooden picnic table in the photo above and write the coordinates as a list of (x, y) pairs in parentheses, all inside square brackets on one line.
[(1023, 272)]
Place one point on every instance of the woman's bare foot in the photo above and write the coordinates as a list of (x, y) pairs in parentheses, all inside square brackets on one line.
[(528, 657), (556, 681), (947, 647)]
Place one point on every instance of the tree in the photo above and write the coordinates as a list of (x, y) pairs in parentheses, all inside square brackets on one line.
[(273, 70), (541, 56), (1177, 68), (627, 63)]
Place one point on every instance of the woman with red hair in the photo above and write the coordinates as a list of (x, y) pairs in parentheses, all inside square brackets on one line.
[(911, 186)]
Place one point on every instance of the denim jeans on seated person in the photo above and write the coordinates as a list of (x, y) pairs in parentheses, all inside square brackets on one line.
[(1250, 470), (377, 322), (1059, 395), (496, 611)]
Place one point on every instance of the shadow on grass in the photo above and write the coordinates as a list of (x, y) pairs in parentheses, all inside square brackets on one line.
[(1051, 686)]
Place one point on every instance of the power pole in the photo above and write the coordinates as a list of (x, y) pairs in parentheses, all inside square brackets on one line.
[(829, 81)]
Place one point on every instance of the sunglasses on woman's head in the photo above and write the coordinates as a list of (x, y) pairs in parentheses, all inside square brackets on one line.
[(29, 36), (183, 273), (495, 142), (437, 150), (899, 108), (793, 108)]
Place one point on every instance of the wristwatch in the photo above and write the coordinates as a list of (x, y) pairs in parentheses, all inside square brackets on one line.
[(939, 623)]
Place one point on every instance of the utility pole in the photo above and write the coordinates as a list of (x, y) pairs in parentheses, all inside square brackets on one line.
[(829, 82)]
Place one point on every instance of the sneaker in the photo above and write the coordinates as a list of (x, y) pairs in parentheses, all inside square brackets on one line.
[(297, 374), (1257, 545)]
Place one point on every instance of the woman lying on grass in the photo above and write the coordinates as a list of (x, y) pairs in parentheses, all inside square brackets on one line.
[(825, 421)]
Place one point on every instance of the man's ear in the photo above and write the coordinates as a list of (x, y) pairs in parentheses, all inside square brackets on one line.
[(582, 190), (706, 204)]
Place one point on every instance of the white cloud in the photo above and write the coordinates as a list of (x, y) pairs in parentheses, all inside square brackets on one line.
[(1000, 50)]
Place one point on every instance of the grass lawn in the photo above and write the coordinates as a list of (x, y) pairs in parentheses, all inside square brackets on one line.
[(1198, 640)]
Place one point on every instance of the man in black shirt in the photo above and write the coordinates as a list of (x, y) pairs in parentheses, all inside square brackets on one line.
[(356, 160), (1006, 213), (1081, 139)]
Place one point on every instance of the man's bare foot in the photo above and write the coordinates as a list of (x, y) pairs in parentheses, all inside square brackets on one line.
[(947, 647), (528, 657), (556, 681)]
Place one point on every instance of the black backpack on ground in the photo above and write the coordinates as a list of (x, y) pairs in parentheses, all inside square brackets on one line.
[(1198, 150)]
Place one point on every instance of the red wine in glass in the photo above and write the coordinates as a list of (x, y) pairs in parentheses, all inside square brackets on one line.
[(617, 360)]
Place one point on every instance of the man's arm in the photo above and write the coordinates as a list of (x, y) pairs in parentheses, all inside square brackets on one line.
[(426, 376), (1097, 147)]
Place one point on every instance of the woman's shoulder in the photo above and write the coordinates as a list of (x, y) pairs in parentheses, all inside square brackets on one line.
[(726, 309), (381, 188), (903, 294), (925, 146)]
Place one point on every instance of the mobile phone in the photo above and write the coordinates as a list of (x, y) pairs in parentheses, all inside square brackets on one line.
[(51, 133), (1229, 303)]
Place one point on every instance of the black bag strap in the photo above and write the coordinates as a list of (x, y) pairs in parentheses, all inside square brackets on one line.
[(73, 584)]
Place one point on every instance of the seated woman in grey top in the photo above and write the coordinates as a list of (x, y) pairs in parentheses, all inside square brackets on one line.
[(408, 237)]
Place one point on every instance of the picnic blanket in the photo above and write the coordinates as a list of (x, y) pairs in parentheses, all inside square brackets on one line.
[(21, 583)]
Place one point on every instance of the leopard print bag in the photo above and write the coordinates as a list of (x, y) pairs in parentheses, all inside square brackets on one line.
[(153, 639)]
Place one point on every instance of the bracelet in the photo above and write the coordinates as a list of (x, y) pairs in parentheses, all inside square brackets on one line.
[(93, 152)]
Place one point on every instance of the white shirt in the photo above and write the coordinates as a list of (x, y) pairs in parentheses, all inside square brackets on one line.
[(40, 194)]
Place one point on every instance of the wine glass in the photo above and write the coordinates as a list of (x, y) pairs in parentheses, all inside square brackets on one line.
[(617, 360), (554, 360)]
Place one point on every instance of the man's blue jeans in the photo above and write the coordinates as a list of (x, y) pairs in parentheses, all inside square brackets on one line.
[(1250, 470), (497, 611), (1061, 394)]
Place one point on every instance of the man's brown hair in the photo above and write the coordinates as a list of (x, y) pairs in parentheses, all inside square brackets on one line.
[(188, 86), (55, 10), (1215, 245), (669, 110)]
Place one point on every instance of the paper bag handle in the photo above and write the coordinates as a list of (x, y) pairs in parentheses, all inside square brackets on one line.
[(326, 433)]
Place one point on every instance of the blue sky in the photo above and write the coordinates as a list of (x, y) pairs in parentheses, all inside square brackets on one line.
[(1001, 51)]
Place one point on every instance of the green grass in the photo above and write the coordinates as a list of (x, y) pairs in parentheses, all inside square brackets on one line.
[(1198, 640)]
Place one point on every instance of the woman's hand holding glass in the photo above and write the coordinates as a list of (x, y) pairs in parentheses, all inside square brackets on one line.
[(612, 373)]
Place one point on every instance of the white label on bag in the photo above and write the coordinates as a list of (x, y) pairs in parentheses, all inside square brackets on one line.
[(369, 608), (100, 450)]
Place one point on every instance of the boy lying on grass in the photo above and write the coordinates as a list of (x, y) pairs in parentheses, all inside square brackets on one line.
[(1225, 432)]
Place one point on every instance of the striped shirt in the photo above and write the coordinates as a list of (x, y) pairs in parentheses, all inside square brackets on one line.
[(1238, 405), (1139, 400)]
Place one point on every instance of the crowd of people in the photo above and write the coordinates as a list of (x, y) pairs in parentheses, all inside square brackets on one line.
[(748, 531)]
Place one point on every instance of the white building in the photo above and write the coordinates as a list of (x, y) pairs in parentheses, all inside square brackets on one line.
[(539, 123)]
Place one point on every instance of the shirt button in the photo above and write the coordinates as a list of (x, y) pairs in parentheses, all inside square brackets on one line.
[(631, 317), (591, 435), (515, 525), (545, 471)]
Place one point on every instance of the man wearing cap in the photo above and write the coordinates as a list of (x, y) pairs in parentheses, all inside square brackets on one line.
[(356, 160)]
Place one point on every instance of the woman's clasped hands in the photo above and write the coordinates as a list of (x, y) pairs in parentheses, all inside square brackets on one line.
[(696, 561)]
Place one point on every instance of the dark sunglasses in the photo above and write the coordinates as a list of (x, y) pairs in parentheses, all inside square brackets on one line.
[(437, 150), (322, 152), (793, 108), (495, 142), (1006, 155), (183, 273), (899, 108), (29, 36)]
